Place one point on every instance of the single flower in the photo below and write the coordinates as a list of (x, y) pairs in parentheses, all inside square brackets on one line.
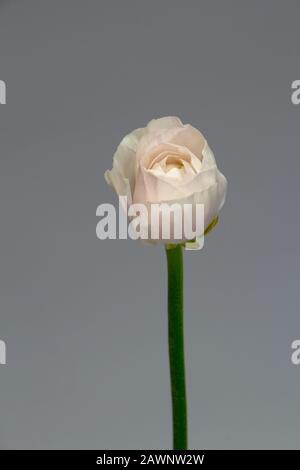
[(168, 162)]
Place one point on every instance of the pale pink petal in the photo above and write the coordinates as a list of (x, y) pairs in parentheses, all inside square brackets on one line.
[(123, 174), (168, 122), (188, 136)]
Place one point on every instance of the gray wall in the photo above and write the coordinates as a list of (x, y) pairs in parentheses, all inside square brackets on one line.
[(84, 320)]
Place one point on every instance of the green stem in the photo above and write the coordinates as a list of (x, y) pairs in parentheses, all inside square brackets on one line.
[(176, 345)]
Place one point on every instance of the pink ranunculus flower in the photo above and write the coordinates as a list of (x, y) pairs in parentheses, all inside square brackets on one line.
[(168, 162)]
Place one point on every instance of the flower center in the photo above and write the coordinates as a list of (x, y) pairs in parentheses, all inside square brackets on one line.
[(173, 162)]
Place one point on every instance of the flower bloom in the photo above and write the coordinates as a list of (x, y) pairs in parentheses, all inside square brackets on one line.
[(168, 162)]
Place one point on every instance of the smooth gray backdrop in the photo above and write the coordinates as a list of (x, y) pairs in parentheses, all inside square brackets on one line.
[(85, 320)]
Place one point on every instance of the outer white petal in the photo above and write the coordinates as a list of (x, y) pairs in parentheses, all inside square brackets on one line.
[(210, 162), (213, 198), (124, 159), (222, 189), (167, 122), (123, 174), (120, 184), (208, 158)]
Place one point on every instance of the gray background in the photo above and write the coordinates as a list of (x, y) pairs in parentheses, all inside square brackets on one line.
[(85, 320)]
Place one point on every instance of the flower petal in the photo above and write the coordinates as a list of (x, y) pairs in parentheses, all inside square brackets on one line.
[(168, 122), (188, 136), (123, 174)]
